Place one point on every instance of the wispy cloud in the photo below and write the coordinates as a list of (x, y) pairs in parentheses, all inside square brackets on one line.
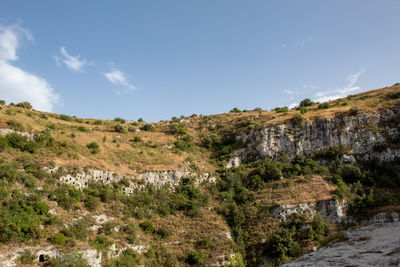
[(17, 85), (74, 63), (350, 87), (293, 105), (300, 43), (304, 41), (117, 77)]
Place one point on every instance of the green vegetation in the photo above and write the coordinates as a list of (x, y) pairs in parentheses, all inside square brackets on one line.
[(324, 106), (306, 103), (282, 110), (25, 105), (93, 147)]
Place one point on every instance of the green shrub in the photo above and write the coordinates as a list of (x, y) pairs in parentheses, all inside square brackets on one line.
[(43, 116), (58, 239), (306, 102), (26, 257), (128, 258), (324, 106), (20, 218), (236, 260), (351, 173), (148, 128), (205, 242), (120, 128), (281, 109), (15, 125), (393, 95), (303, 110), (66, 197), (8, 173), (137, 139), (2, 102), (164, 232), (195, 258), (178, 129), (354, 111), (73, 259), (78, 230), (98, 122), (65, 117), (101, 242), (147, 227), (235, 110), (297, 120), (25, 105), (140, 120), (93, 147), (91, 203), (107, 228), (130, 230), (83, 129), (121, 120)]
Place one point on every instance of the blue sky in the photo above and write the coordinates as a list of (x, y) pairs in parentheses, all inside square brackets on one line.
[(158, 59)]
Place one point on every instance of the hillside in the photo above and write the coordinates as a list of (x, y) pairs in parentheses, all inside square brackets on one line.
[(244, 188)]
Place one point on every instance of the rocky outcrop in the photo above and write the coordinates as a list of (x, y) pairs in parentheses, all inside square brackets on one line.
[(4, 132), (156, 179), (360, 133), (10, 258), (372, 245), (332, 210)]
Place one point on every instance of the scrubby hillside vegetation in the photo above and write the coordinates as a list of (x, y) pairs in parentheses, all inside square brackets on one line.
[(80, 192)]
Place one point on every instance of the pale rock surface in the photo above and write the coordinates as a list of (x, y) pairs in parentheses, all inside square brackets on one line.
[(361, 133), (372, 245)]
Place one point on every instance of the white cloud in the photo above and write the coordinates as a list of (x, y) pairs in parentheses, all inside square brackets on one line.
[(17, 85), (74, 63), (117, 77), (304, 41), (350, 87), (289, 92), (293, 105)]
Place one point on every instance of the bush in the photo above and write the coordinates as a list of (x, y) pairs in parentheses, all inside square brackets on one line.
[(93, 147), (147, 227), (297, 120), (354, 111), (120, 128), (8, 173), (306, 102), (91, 203), (25, 105), (128, 258), (58, 239), (66, 196), (98, 122), (393, 95), (26, 257), (235, 110), (121, 120), (324, 106), (178, 129), (43, 116), (65, 117), (164, 232), (148, 128), (73, 259), (83, 129), (101, 242), (2, 102), (130, 231), (15, 125), (137, 139), (194, 257), (351, 173), (303, 110), (20, 218), (282, 110)]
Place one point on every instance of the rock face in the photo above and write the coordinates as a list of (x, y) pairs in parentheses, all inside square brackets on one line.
[(360, 133), (372, 245), (331, 210), (156, 179), (4, 132), (10, 257)]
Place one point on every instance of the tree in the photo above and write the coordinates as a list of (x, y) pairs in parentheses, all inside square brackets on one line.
[(306, 102)]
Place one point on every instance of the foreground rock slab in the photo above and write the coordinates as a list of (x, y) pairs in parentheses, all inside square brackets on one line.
[(372, 245)]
